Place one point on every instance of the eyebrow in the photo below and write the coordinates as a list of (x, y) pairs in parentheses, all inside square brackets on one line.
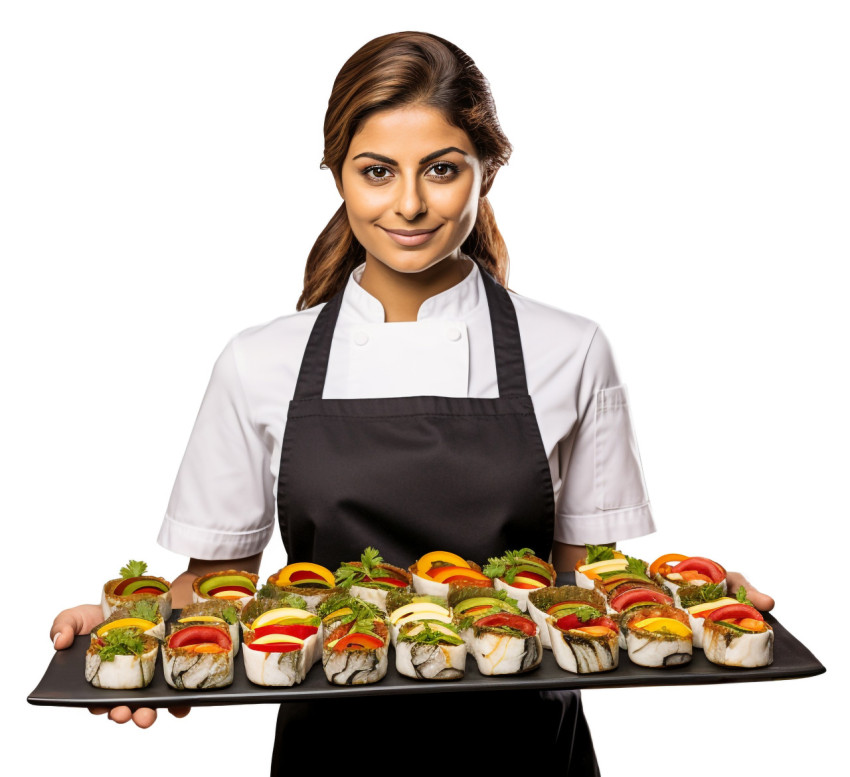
[(388, 161)]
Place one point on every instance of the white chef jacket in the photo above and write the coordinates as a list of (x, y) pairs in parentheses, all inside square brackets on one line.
[(223, 502)]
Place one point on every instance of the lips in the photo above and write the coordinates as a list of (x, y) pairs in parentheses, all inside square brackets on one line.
[(411, 237)]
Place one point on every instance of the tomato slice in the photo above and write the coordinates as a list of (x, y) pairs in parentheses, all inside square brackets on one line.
[(634, 595), (704, 566), (195, 635), (291, 629), (734, 611), (358, 642), (524, 625), (148, 590)]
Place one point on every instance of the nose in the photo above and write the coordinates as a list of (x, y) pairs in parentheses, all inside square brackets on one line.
[(411, 200)]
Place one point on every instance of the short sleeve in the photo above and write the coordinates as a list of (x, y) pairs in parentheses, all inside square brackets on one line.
[(222, 503), (603, 495)]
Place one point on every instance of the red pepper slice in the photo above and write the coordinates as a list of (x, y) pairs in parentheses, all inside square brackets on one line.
[(525, 625), (572, 621), (633, 595), (734, 611), (195, 635), (390, 581), (358, 642), (291, 629), (241, 588), (702, 565), (275, 647)]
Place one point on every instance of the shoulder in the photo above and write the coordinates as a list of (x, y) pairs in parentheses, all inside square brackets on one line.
[(545, 328), (274, 348)]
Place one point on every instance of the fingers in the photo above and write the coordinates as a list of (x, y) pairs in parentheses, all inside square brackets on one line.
[(180, 712), (143, 717), (76, 620), (760, 601)]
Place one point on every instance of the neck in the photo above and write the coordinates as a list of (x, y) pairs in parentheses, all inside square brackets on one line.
[(401, 293)]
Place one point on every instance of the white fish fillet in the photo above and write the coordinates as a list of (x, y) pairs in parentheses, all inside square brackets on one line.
[(430, 662), (280, 669), (122, 672), (653, 650), (355, 667), (504, 654), (583, 655), (729, 648), (185, 670)]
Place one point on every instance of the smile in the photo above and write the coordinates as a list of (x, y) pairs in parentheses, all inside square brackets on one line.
[(411, 237)]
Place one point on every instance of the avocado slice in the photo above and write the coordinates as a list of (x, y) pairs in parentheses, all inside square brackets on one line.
[(226, 580)]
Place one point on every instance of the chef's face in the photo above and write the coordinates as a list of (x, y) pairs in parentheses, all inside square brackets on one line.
[(411, 183)]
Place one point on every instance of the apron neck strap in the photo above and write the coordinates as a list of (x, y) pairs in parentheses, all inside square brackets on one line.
[(510, 366)]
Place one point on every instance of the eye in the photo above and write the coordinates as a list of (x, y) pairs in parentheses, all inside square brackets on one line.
[(444, 170), (377, 173)]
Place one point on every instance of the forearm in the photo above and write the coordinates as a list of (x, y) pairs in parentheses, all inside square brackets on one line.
[(181, 588), (565, 557)]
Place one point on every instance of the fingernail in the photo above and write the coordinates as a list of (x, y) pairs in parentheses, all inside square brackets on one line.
[(58, 634)]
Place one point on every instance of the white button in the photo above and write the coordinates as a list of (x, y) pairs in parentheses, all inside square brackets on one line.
[(453, 333), (360, 337)]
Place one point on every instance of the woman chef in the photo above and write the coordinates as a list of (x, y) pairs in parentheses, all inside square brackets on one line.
[(412, 403)]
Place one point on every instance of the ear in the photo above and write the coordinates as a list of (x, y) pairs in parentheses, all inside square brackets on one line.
[(487, 181)]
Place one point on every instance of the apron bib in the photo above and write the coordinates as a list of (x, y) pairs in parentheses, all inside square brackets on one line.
[(409, 475)]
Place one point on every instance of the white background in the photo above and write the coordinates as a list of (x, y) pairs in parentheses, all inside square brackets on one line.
[(680, 175)]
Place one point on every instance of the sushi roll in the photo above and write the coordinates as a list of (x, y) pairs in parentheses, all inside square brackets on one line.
[(635, 596), (214, 611), (601, 559), (469, 603), (370, 578), (518, 572), (737, 635), (584, 640), (123, 658), (143, 615), (505, 643), (674, 570), (286, 616), (430, 650), (433, 573), (404, 607), (198, 656), (282, 646), (313, 582), (698, 601), (133, 586), (658, 636), (559, 600), (356, 642), (229, 585)]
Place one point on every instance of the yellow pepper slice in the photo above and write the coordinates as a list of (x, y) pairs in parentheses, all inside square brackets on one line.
[(125, 623), (284, 576), (427, 561), (666, 625)]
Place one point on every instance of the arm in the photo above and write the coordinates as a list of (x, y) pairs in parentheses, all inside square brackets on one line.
[(565, 557), (83, 618)]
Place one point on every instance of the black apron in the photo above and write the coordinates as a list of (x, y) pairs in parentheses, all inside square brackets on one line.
[(409, 475)]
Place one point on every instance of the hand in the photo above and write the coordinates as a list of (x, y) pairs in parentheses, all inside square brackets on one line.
[(761, 602), (81, 620)]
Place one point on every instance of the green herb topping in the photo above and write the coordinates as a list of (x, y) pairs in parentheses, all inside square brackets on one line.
[(599, 553), (133, 569), (505, 566), (121, 642)]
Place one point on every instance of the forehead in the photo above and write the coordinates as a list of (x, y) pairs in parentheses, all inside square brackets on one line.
[(411, 131)]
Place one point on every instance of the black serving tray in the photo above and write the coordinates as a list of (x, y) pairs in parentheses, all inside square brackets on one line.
[(64, 682)]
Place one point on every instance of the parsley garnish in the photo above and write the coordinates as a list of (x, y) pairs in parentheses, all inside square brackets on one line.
[(121, 642), (505, 566)]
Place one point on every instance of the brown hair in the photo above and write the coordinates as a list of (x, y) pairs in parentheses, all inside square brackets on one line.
[(391, 71)]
